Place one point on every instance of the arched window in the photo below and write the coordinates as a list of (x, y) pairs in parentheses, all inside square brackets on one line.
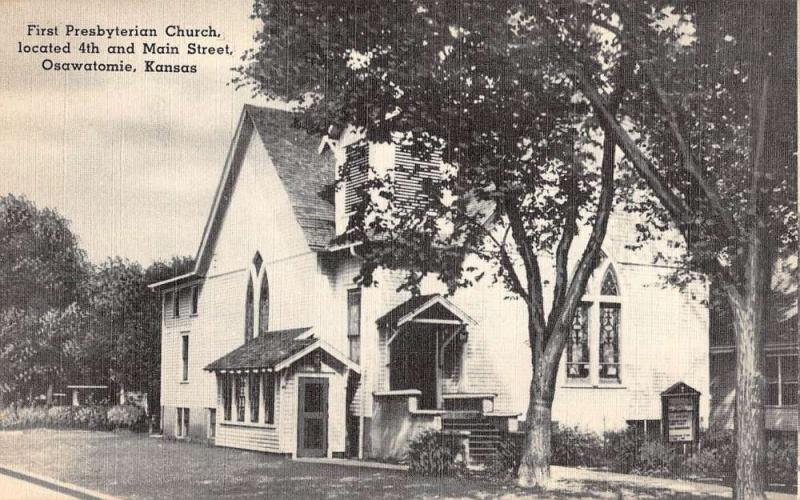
[(248, 311), (593, 347), (263, 305), (257, 261), (609, 284)]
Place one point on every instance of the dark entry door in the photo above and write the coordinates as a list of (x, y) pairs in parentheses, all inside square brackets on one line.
[(413, 365), (312, 416)]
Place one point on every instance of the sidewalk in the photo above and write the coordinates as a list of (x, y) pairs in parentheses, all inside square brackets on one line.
[(568, 474), (566, 477), (23, 485)]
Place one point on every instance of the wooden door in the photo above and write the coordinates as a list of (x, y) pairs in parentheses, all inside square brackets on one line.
[(312, 417)]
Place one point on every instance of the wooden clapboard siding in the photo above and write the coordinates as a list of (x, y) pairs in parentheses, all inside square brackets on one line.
[(248, 438), (259, 218)]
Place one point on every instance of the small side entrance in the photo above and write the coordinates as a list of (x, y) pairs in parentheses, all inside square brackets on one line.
[(312, 417)]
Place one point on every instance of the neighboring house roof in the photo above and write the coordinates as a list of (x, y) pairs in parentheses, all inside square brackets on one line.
[(306, 175), (433, 306), (276, 350)]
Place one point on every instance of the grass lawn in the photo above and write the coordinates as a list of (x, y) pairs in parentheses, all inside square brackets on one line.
[(137, 466)]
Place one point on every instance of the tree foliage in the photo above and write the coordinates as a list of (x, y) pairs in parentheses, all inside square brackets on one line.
[(528, 164), (63, 319), (41, 264)]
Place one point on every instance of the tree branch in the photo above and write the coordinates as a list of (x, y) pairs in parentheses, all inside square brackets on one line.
[(505, 259), (529, 260), (558, 330), (690, 163)]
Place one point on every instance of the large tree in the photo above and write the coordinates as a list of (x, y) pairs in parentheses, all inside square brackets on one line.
[(42, 287), (711, 129), (464, 79), (122, 344), (41, 264)]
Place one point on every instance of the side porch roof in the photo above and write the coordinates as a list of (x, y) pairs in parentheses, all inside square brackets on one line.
[(433, 309), (277, 350)]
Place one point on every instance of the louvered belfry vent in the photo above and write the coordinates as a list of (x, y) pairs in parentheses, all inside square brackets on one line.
[(411, 171), (356, 171)]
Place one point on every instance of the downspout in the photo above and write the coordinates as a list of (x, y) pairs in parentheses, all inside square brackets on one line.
[(361, 417)]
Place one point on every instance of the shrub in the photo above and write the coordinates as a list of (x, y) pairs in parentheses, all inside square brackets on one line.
[(505, 463), (91, 417), (60, 416), (30, 417), (715, 458), (574, 447), (125, 416), (434, 453), (656, 459), (782, 461), (622, 449)]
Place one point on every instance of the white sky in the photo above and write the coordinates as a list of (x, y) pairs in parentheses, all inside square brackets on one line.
[(132, 159)]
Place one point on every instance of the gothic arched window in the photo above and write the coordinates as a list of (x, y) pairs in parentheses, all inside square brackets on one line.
[(263, 305), (257, 261), (593, 347), (248, 311), (609, 284)]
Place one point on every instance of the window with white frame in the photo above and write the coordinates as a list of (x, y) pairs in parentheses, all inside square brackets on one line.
[(593, 346), (254, 387), (782, 380), (195, 299), (182, 424), (167, 304), (578, 344), (249, 394), (176, 304), (227, 389), (256, 300), (184, 358), (211, 433), (354, 323), (269, 398), (241, 397)]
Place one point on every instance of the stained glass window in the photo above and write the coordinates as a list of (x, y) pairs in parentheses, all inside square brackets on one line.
[(609, 285), (609, 341), (578, 345)]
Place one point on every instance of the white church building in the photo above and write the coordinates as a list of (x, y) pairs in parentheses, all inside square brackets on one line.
[(269, 345)]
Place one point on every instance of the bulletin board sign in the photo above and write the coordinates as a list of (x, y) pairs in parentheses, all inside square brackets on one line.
[(681, 414)]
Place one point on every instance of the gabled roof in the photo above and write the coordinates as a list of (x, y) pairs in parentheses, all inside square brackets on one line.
[(277, 350), (306, 176), (679, 388), (264, 351), (417, 306), (305, 173)]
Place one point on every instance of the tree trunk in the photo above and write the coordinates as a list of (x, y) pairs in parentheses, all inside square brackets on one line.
[(749, 409), (534, 469)]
